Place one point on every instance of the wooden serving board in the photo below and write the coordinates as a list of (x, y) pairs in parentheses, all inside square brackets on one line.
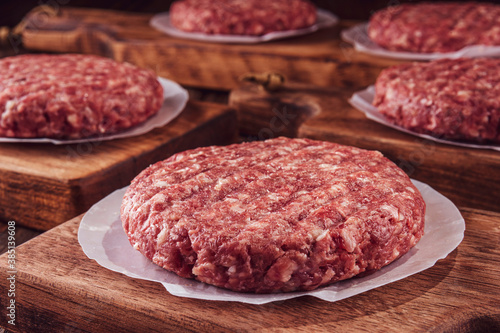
[(43, 185), (58, 289), (321, 58), (469, 177)]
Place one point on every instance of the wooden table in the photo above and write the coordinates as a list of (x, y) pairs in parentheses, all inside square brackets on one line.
[(59, 289)]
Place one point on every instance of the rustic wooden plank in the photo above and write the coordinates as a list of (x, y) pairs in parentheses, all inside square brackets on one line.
[(469, 177), (59, 289), (23, 235), (321, 58), (42, 185)]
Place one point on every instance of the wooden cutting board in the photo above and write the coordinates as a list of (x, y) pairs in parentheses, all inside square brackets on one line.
[(43, 185), (321, 58), (58, 289), (469, 177)]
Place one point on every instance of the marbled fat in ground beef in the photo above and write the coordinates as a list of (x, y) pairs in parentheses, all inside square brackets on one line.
[(73, 96), (449, 99), (241, 17), (273, 216), (436, 27)]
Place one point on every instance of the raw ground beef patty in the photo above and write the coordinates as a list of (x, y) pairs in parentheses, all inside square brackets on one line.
[(450, 99), (241, 17), (435, 27), (73, 96), (273, 216)]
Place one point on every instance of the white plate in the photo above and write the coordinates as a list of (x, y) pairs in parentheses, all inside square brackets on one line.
[(362, 100), (162, 23), (174, 100), (102, 238), (358, 36)]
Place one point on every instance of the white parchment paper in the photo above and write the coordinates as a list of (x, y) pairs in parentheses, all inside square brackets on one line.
[(358, 36), (162, 23), (174, 100), (362, 100), (102, 238)]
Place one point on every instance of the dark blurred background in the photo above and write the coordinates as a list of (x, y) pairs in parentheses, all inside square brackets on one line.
[(11, 11)]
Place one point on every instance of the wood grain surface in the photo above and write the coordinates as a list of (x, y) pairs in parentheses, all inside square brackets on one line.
[(321, 58), (43, 185), (59, 289), (469, 177), (23, 235)]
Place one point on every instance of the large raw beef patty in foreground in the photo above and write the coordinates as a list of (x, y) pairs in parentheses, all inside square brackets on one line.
[(436, 27), (242, 17), (73, 96), (450, 99), (272, 216)]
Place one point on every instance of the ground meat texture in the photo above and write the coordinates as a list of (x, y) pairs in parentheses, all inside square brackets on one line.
[(273, 216), (73, 96), (449, 99), (241, 17), (435, 27)]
